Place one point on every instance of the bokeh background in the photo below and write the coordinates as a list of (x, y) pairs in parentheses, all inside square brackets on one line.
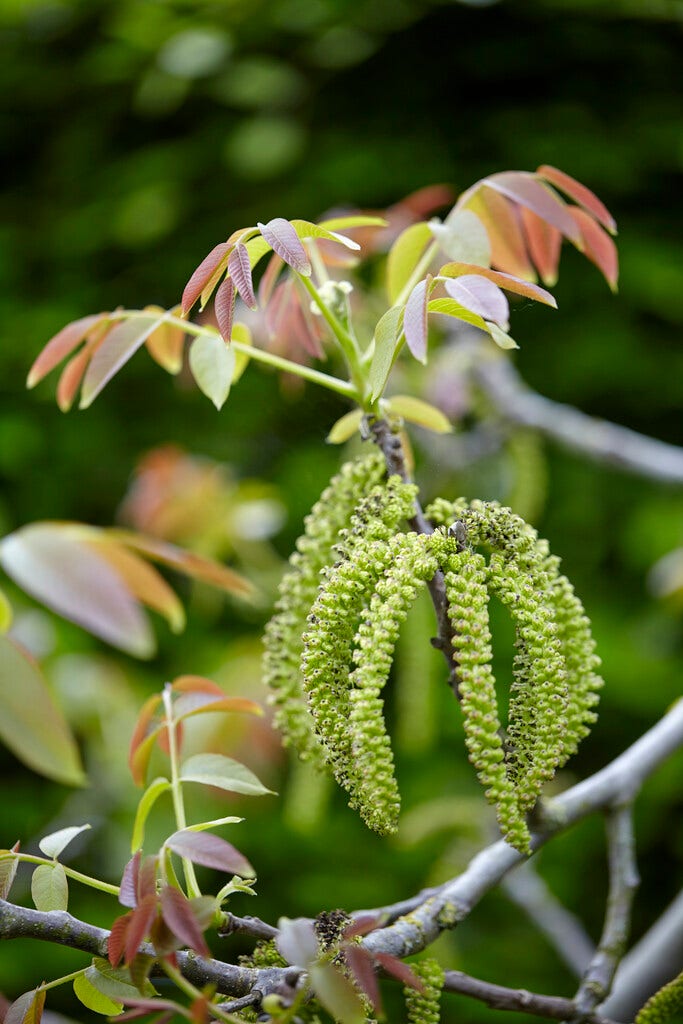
[(137, 134)]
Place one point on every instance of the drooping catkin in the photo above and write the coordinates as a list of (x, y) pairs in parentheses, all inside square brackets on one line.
[(283, 636), (424, 1007)]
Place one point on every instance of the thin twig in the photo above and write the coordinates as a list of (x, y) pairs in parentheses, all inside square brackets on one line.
[(623, 882), (517, 999), (247, 925)]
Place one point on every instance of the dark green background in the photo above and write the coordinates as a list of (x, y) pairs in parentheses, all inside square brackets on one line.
[(122, 168)]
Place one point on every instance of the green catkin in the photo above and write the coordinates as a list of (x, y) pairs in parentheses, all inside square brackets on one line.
[(347, 585), (424, 1007), (664, 1004), (466, 579), (283, 636), (370, 777), (264, 954)]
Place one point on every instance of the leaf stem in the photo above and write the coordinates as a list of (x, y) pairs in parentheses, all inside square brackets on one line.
[(347, 342), (94, 883), (177, 788), (188, 989), (61, 981)]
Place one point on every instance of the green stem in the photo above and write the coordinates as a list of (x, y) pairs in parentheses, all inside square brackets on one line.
[(94, 883), (61, 981), (259, 355), (177, 790), (188, 989), (347, 342)]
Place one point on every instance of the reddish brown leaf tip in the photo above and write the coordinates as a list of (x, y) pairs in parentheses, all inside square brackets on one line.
[(202, 275), (283, 240)]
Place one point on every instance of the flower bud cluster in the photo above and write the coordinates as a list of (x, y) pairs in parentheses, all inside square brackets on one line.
[(424, 1007)]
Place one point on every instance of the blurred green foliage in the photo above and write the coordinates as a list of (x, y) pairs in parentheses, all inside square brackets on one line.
[(138, 133)]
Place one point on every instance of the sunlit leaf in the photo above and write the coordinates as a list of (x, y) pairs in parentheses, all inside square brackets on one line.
[(49, 887), (580, 194), (297, 941), (525, 188), (404, 256), (139, 926), (598, 246), (212, 364), (56, 842), (142, 581), (337, 994), (166, 343), (499, 217), (61, 345), (501, 338), (306, 229), (93, 999), (505, 281), (187, 562), (144, 720), (544, 242), (225, 309), (8, 870), (147, 801), (387, 332), (283, 239), (242, 334), (239, 269), (138, 760), (71, 376), (31, 724), (463, 237), (423, 413), (257, 249), (345, 427), (196, 684), (354, 220), (210, 265), (116, 982), (180, 917), (53, 563), (210, 851), (5, 612), (117, 348), (223, 773), (415, 320), (191, 704), (450, 307), (480, 296), (27, 1009), (203, 826)]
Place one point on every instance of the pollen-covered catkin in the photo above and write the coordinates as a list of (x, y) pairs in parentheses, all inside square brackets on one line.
[(369, 776), (424, 1007), (283, 635)]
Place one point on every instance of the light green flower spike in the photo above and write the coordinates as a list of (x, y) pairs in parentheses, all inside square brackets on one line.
[(664, 1004), (283, 635), (424, 1007)]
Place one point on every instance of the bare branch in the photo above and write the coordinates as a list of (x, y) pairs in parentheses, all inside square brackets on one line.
[(563, 929), (247, 925), (623, 882), (594, 438)]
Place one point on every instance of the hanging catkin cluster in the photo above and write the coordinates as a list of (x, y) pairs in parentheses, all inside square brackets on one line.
[(424, 1007), (330, 645)]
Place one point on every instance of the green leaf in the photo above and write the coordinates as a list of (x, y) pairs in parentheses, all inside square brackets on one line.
[(93, 999), (337, 994), (53, 844), (222, 772), (116, 982), (27, 1009), (31, 724), (423, 413), (5, 612), (202, 826), (147, 801), (501, 339), (213, 365), (404, 256), (345, 427), (352, 221), (387, 333), (463, 238), (242, 334), (117, 348), (8, 869), (49, 887), (306, 229), (449, 307)]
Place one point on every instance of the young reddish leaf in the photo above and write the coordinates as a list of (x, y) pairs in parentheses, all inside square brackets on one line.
[(51, 562), (27, 1009), (223, 773), (362, 968), (415, 319), (283, 239), (71, 377), (225, 307), (8, 870), (138, 761), (164, 741), (500, 218), (505, 281), (31, 724), (544, 243), (196, 684), (210, 851), (147, 878), (212, 364), (144, 1006), (116, 943), (269, 279), (239, 269), (139, 926), (199, 1010), (345, 427), (128, 890), (178, 914), (56, 842), (363, 925), (61, 345), (392, 965), (480, 296), (525, 188), (142, 581), (191, 704), (209, 266), (404, 256), (598, 246), (163, 939), (119, 345), (141, 730), (186, 562), (580, 194)]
